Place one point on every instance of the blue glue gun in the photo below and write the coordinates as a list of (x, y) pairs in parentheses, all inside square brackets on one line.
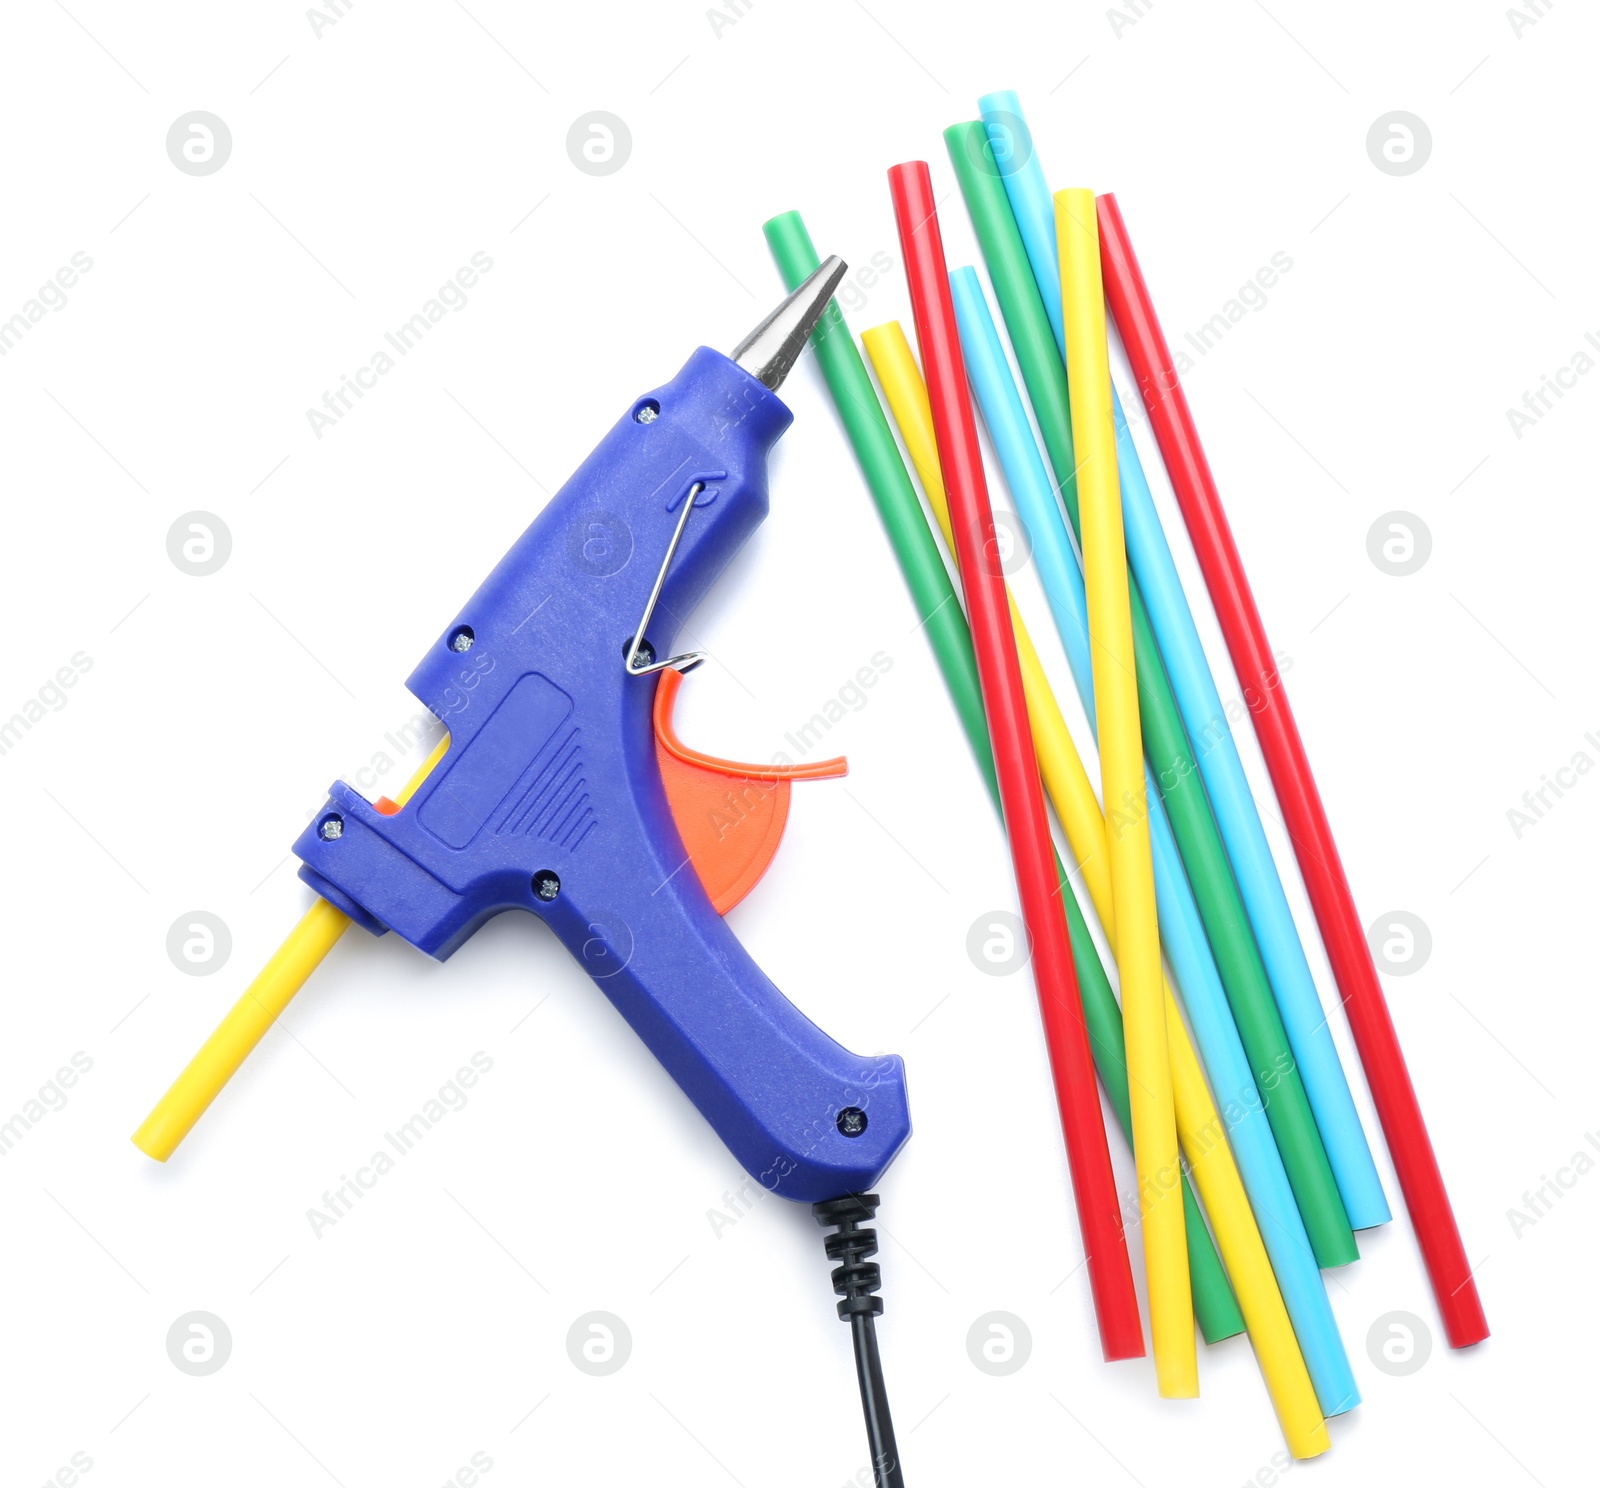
[(564, 792)]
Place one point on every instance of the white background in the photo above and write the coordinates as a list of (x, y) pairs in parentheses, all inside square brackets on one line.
[(368, 164)]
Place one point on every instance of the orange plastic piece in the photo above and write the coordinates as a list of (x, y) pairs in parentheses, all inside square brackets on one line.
[(730, 816)]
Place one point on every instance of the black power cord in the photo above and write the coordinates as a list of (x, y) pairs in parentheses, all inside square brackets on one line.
[(856, 1279)]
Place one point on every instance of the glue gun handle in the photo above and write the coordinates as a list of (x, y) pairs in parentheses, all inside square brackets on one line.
[(806, 1117)]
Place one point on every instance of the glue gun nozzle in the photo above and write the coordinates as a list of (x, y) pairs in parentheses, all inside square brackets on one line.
[(770, 350)]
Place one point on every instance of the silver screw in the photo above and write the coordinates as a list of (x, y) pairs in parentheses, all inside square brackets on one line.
[(461, 640), (647, 415), (332, 829)]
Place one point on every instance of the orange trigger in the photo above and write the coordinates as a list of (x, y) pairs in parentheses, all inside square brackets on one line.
[(730, 816)]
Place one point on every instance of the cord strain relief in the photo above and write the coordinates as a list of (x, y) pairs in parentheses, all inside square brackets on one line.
[(856, 1278)]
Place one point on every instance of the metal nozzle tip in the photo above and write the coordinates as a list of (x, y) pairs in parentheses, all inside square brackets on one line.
[(770, 350)]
